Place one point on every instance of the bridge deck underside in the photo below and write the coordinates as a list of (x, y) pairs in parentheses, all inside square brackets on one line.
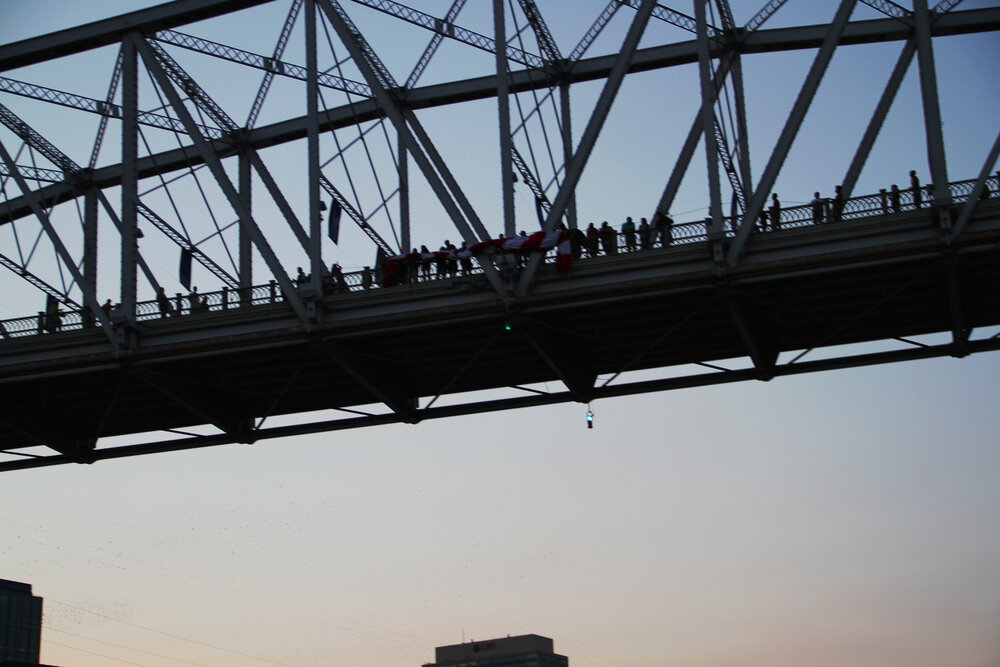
[(574, 334)]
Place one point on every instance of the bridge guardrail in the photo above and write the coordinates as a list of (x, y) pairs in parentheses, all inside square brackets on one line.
[(680, 234)]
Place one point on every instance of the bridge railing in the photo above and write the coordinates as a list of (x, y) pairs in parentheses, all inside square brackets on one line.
[(863, 207)]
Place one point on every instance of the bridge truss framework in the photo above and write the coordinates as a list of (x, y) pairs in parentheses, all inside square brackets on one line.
[(511, 324)]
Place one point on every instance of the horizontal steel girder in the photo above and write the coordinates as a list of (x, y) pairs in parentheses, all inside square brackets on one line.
[(685, 53)]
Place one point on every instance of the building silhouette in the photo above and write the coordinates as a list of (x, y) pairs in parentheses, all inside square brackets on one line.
[(519, 651), (20, 624)]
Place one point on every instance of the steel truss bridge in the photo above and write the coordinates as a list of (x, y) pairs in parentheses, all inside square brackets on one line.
[(726, 299)]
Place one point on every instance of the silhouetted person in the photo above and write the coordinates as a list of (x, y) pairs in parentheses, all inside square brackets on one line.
[(337, 274), (193, 300), (894, 198), (775, 212), (609, 239), (163, 301), (593, 239), (366, 278), (451, 259), (577, 239), (915, 188), (426, 257), (663, 224), (883, 198), (838, 203), (301, 277), (628, 230), (817, 204), (465, 258), (645, 231)]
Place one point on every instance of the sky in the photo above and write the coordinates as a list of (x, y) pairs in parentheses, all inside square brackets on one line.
[(845, 517)]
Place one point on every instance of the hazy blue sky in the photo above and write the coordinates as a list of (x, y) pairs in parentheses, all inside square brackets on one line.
[(843, 518)]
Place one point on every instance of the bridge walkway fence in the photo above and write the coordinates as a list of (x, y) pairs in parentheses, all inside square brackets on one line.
[(865, 207)]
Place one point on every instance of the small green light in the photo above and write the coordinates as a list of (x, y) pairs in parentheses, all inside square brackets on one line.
[(507, 327)]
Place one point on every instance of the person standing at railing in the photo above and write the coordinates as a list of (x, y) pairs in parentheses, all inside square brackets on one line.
[(465, 258), (838, 203), (817, 204), (163, 301), (915, 189), (663, 226), (593, 240), (894, 197), (628, 230), (775, 211), (883, 198), (644, 234), (193, 302), (609, 239)]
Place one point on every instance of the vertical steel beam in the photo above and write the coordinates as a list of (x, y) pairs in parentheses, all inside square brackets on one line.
[(404, 193), (791, 129), (503, 109), (312, 141), (743, 139), (932, 111), (878, 118), (690, 144), (245, 248), (567, 140), (708, 96), (130, 192), (89, 285)]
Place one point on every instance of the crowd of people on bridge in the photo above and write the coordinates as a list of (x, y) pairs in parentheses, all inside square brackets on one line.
[(449, 261)]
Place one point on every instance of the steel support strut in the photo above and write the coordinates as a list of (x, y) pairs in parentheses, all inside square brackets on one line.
[(416, 142), (708, 97), (503, 110), (582, 154), (932, 111), (792, 125), (312, 140), (130, 180), (215, 166)]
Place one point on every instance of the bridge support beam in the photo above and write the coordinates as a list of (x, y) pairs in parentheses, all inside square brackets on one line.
[(200, 400), (708, 97), (959, 331), (878, 117), (932, 110), (367, 373), (978, 188), (568, 360), (417, 142), (130, 181), (791, 129), (245, 247), (758, 339), (215, 166), (503, 111), (574, 168)]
